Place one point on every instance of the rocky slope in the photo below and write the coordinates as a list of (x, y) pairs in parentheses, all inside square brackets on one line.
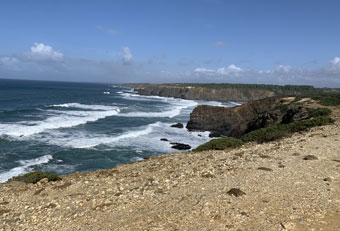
[(200, 93), (282, 190)]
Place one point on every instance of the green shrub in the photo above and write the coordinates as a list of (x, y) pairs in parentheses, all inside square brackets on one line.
[(282, 130), (316, 112), (219, 144), (328, 100), (34, 177)]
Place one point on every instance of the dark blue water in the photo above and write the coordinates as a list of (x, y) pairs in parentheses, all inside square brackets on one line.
[(69, 127)]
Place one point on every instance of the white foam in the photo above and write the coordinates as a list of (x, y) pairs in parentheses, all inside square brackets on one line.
[(151, 141), (84, 106), (86, 140), (136, 158), (106, 93), (58, 119), (234, 103), (25, 166), (131, 95), (173, 110)]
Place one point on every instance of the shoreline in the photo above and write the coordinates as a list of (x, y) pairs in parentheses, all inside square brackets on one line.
[(288, 184)]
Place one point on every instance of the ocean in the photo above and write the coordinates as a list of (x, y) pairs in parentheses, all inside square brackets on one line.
[(68, 127)]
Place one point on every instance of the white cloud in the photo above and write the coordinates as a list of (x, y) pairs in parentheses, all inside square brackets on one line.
[(231, 69), (41, 51), (219, 44), (283, 68), (334, 65), (127, 56), (335, 61), (204, 71)]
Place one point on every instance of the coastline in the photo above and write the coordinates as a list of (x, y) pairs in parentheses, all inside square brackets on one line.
[(189, 191), (289, 184)]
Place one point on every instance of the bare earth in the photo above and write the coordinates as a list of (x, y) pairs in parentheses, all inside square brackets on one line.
[(283, 189)]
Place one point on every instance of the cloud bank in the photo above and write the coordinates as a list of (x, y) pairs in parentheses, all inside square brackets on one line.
[(43, 62)]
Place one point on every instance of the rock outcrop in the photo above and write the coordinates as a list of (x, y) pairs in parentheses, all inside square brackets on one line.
[(240, 120), (202, 93), (222, 121)]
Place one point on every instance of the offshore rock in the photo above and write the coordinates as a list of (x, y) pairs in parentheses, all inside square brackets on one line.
[(178, 125), (180, 146)]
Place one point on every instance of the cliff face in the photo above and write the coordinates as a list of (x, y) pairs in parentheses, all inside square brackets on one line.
[(200, 93), (237, 121), (221, 121)]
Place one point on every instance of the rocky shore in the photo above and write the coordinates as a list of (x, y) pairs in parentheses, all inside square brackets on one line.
[(290, 184)]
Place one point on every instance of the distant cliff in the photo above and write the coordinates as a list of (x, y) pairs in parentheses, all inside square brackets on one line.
[(202, 93)]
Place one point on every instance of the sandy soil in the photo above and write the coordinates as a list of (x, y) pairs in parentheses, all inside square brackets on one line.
[(290, 184)]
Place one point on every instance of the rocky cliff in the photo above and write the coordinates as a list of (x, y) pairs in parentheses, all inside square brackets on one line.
[(202, 93), (221, 121), (237, 121)]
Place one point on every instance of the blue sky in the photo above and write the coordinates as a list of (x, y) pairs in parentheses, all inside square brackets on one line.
[(251, 41)]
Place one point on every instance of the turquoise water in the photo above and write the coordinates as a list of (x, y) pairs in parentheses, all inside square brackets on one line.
[(69, 127)]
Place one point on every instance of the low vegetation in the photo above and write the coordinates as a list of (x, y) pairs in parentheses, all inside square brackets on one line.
[(220, 144), (316, 112), (317, 117), (330, 98), (276, 88), (283, 130), (35, 177)]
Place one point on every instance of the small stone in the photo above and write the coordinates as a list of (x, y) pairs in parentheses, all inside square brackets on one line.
[(296, 154), (288, 225), (164, 139), (207, 175), (310, 157), (328, 179), (265, 169), (44, 181), (264, 156), (281, 165), (236, 192)]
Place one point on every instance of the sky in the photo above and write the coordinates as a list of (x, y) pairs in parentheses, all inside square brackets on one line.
[(162, 41)]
